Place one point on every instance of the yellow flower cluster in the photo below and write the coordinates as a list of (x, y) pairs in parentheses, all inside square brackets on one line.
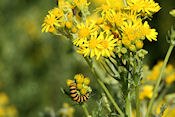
[(67, 110), (111, 31), (6, 110), (82, 84), (169, 75)]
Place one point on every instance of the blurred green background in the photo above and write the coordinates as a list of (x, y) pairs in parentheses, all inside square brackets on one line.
[(34, 65)]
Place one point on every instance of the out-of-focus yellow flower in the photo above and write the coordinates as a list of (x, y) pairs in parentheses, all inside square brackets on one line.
[(12, 111), (146, 7), (2, 112), (170, 113), (118, 3), (116, 18), (67, 110), (81, 2), (3, 99), (155, 71), (146, 92), (169, 69), (170, 78)]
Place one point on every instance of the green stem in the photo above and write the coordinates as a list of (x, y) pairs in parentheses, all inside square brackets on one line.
[(85, 110), (128, 105), (159, 79), (137, 101), (104, 87)]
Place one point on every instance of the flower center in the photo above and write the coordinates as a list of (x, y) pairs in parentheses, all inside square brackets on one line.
[(104, 43), (83, 32), (50, 20)]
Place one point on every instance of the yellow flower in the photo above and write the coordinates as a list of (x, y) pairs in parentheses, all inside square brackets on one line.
[(170, 78), (2, 112), (118, 3), (69, 24), (155, 71), (84, 31), (79, 78), (64, 5), (107, 44), (90, 47), (67, 110), (12, 111), (116, 18), (86, 81), (146, 7), (129, 30), (81, 2), (169, 69), (150, 34), (74, 29), (105, 10), (139, 44), (99, 45), (50, 21), (83, 91), (56, 12), (3, 99), (147, 92), (79, 86), (69, 82), (126, 41)]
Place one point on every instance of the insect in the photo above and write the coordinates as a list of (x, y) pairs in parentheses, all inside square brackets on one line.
[(75, 96)]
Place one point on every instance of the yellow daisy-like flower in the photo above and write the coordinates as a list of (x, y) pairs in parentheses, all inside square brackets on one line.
[(147, 92), (84, 31), (3, 99), (56, 12), (91, 46), (129, 30), (150, 34), (50, 21), (107, 44), (147, 7), (99, 45), (116, 18)]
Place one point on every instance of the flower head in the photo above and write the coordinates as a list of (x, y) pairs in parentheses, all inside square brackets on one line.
[(84, 31), (99, 45), (50, 21), (150, 34)]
